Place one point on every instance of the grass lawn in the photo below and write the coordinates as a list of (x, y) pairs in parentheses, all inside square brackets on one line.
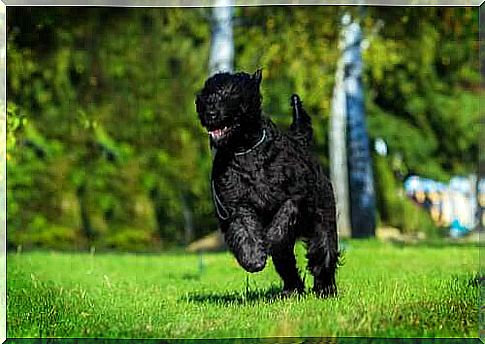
[(385, 290)]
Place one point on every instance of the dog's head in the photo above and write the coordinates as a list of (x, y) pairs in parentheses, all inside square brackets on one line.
[(229, 106)]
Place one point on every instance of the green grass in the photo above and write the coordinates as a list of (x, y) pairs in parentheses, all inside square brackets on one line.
[(384, 291)]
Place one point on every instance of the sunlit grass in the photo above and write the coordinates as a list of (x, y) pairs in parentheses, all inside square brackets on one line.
[(384, 291)]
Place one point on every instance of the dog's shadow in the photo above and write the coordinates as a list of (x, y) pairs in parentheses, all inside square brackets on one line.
[(273, 293)]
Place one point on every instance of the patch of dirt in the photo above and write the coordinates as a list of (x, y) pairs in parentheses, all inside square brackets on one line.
[(210, 243)]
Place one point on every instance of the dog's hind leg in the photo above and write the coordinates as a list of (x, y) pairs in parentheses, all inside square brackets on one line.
[(285, 264), (245, 240), (280, 236), (323, 253)]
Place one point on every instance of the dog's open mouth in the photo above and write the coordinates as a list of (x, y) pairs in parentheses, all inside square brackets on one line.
[(219, 133)]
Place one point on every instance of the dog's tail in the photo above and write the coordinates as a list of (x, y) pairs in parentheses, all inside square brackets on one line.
[(301, 128)]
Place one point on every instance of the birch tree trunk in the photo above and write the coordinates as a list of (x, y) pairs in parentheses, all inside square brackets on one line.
[(338, 152)]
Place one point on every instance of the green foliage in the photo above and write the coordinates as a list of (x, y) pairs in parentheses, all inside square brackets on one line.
[(395, 208), (14, 123), (422, 78), (405, 292), (41, 234), (121, 128), (129, 239), (102, 135), (407, 140)]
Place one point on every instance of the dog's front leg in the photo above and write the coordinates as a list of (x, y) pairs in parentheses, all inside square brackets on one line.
[(278, 234), (244, 238)]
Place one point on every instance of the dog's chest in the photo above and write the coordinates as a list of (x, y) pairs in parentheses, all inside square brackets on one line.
[(257, 182)]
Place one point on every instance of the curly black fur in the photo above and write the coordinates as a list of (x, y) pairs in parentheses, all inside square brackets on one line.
[(268, 188)]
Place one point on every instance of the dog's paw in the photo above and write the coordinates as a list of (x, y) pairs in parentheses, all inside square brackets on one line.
[(251, 259), (253, 266), (325, 291), (292, 292)]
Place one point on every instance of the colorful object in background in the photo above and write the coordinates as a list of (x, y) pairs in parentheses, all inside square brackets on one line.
[(457, 230), (380, 146), (454, 205)]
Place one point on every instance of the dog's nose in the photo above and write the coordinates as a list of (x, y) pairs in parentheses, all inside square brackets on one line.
[(212, 114)]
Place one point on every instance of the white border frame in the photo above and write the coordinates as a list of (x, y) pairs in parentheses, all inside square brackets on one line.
[(188, 3)]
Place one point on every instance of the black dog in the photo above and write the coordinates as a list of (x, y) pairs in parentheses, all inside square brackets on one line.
[(267, 188)]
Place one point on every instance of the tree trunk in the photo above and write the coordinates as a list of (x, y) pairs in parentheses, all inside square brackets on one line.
[(338, 152), (188, 218), (87, 227)]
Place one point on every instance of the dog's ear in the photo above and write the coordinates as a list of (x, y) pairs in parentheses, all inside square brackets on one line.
[(258, 76)]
